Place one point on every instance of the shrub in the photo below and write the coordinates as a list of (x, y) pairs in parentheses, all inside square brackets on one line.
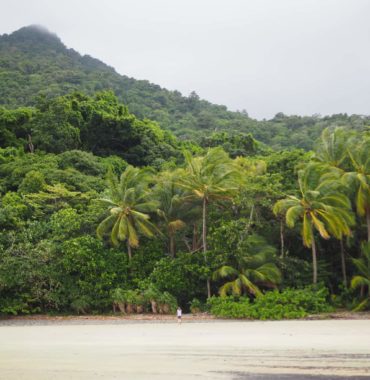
[(149, 298), (289, 304), (167, 303), (196, 306), (229, 307), (184, 276), (81, 305)]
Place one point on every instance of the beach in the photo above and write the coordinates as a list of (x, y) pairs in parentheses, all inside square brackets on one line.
[(209, 349)]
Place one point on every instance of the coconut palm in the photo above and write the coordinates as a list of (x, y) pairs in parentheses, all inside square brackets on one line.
[(128, 204), (209, 179), (332, 149), (359, 178), (323, 206), (251, 268), (172, 209), (362, 280)]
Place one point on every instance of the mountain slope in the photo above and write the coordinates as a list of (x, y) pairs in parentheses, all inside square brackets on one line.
[(35, 62)]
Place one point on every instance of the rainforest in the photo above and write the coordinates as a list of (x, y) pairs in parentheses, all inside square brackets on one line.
[(119, 196)]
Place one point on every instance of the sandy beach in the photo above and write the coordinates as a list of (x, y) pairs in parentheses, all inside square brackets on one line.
[(328, 349)]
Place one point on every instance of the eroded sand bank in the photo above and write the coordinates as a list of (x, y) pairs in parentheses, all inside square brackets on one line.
[(206, 350)]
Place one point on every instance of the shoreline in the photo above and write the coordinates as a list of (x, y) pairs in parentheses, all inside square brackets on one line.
[(39, 319)]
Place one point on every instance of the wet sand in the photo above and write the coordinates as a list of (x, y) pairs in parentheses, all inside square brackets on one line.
[(284, 350)]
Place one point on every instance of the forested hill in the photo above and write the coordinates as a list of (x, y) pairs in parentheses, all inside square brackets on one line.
[(35, 62)]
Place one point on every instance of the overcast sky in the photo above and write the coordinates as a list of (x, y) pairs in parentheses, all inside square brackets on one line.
[(265, 56)]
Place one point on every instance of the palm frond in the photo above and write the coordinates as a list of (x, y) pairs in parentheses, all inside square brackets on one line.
[(132, 234), (105, 225), (224, 271)]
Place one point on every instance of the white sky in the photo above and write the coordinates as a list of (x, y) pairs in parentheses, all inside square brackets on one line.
[(265, 56)]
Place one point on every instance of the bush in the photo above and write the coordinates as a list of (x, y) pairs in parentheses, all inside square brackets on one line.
[(229, 307), (167, 303), (143, 300), (184, 277), (81, 305), (289, 304), (196, 306)]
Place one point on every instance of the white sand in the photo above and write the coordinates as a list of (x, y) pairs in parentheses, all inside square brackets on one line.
[(207, 350)]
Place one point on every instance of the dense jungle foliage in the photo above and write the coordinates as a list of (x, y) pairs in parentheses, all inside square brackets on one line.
[(101, 209), (34, 63)]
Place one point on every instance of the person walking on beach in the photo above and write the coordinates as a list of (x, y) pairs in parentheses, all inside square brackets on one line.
[(179, 314)]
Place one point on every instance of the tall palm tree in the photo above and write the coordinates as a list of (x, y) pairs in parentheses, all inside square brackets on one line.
[(172, 209), (359, 178), (362, 280), (250, 268), (209, 179), (332, 149), (323, 206), (128, 206)]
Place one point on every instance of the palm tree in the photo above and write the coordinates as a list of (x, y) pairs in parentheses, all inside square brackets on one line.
[(322, 206), (209, 179), (128, 206), (362, 280), (359, 178), (332, 149), (172, 209), (252, 267)]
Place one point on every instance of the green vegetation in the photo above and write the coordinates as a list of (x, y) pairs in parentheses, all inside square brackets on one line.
[(101, 209), (289, 304), (35, 65), (128, 202)]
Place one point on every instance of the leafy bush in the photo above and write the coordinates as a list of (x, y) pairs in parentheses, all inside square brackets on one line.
[(229, 307), (81, 305), (141, 300), (289, 304), (196, 306), (184, 276)]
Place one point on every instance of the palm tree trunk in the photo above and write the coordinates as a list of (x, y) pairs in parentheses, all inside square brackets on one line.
[(172, 246), (343, 258), (195, 237), (204, 239), (314, 257), (362, 289), (129, 250), (30, 144), (282, 238), (204, 227)]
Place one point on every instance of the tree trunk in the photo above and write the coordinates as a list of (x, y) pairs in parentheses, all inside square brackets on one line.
[(121, 307), (314, 258), (204, 227), (343, 258), (172, 245), (204, 240), (129, 250), (362, 289), (130, 308), (282, 247), (154, 306), (195, 237), (30, 144)]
